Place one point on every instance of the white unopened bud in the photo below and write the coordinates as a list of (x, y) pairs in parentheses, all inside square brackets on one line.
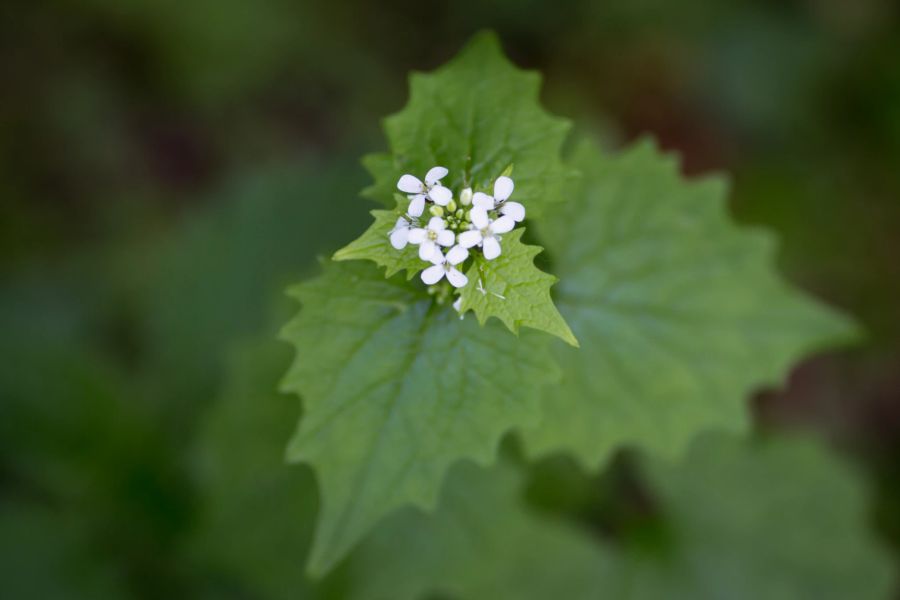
[(465, 197)]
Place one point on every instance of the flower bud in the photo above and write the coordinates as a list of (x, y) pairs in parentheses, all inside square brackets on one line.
[(465, 197), (437, 211), (459, 213), (451, 206)]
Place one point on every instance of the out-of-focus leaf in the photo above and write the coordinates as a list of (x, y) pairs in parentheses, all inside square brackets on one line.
[(780, 519), (480, 543), (258, 512), (215, 278), (680, 313), (47, 554)]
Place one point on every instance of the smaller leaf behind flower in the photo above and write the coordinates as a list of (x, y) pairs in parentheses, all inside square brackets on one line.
[(477, 116), (375, 245), (515, 291)]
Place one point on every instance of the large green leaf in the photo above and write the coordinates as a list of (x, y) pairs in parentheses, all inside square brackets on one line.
[(477, 116), (679, 312), (258, 516), (396, 388)]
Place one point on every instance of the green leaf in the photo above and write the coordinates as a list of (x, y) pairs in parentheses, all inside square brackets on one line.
[(779, 519), (375, 245), (482, 542), (396, 388), (679, 312), (476, 116), (512, 289)]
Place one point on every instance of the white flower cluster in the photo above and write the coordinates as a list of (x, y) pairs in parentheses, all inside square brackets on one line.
[(477, 221)]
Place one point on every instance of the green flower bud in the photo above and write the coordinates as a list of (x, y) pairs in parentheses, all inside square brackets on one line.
[(451, 206), (437, 211), (460, 213)]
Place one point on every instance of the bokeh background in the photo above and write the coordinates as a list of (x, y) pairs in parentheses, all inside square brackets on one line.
[(166, 168)]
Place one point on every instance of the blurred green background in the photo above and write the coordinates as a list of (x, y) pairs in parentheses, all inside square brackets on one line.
[(166, 168)]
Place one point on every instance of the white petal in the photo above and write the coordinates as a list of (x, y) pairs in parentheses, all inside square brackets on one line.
[(482, 201), (503, 188), (503, 224), (399, 238), (440, 195), (436, 224), (457, 254), (457, 304), (433, 274), (491, 248), (427, 249), (445, 237), (479, 218), (467, 239), (514, 210), (417, 235), (434, 175), (410, 185), (416, 205), (456, 278)]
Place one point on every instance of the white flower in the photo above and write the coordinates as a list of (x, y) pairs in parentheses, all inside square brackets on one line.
[(428, 239), (400, 234), (431, 189), (514, 210), (485, 232), (503, 189), (446, 265)]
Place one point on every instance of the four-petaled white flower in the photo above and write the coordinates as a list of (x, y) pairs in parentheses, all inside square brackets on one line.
[(428, 239), (400, 233), (465, 230), (503, 189), (446, 266), (431, 189), (485, 232)]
